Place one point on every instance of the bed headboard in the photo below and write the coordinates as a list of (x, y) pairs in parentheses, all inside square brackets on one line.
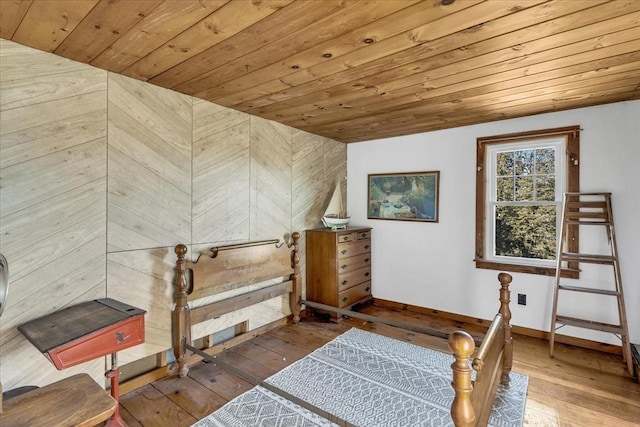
[(231, 267)]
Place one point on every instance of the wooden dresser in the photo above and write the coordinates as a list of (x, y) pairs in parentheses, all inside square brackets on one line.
[(339, 267)]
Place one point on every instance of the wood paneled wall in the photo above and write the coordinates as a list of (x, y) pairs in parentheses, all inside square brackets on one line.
[(101, 175)]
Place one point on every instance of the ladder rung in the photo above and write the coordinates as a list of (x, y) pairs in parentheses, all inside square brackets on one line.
[(577, 193), (586, 204), (588, 290), (588, 324), (595, 259), (584, 222), (600, 215)]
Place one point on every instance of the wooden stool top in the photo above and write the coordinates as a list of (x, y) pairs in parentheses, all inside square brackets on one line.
[(74, 401)]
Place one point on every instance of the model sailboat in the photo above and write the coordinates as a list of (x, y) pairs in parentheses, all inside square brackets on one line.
[(335, 216)]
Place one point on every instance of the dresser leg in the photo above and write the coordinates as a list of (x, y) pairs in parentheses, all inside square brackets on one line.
[(114, 375)]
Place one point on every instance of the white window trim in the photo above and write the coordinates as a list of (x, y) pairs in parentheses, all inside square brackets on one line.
[(560, 146)]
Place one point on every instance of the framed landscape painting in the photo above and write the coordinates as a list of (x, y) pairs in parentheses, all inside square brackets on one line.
[(411, 196)]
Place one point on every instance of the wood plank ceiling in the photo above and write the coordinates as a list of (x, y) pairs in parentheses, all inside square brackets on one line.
[(354, 70)]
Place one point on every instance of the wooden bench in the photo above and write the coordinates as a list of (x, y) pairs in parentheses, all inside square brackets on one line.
[(74, 401)]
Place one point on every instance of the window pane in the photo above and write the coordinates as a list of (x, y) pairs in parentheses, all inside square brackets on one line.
[(545, 160), (524, 162), (504, 163), (524, 188), (504, 189), (546, 188), (525, 231)]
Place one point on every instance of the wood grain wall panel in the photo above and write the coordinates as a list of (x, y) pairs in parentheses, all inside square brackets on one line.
[(270, 179), (307, 182), (335, 168), (36, 90), (26, 185), (21, 62), (221, 161), (103, 175), (307, 189), (38, 235), (149, 198), (144, 279), (52, 200)]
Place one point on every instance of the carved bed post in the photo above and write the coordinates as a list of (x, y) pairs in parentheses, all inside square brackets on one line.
[(295, 296), (462, 346), (181, 325), (505, 297)]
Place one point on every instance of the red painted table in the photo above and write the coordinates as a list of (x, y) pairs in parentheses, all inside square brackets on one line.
[(87, 331)]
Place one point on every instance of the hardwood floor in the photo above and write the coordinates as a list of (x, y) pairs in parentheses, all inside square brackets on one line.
[(578, 387)]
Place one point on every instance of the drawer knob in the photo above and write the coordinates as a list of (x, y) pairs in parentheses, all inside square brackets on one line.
[(344, 251), (344, 282), (345, 238), (366, 247), (343, 266), (366, 274), (366, 260), (366, 289), (344, 299), (120, 337)]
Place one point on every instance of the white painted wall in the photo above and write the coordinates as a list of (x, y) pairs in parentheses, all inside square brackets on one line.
[(431, 264)]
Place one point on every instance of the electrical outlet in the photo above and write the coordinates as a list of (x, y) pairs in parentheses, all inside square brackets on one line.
[(522, 299)]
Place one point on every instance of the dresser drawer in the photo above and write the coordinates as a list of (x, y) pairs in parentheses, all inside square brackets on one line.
[(353, 278), (351, 249), (347, 265), (354, 294), (346, 237), (363, 235)]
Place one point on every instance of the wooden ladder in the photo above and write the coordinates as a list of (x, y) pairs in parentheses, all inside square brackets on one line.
[(590, 209)]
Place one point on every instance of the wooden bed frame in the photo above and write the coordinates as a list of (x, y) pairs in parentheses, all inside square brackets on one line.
[(236, 266), (474, 399), (232, 267)]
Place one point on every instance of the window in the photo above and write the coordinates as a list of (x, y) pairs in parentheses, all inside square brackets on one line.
[(519, 186)]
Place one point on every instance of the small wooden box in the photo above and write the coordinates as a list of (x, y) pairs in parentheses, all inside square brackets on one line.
[(86, 331)]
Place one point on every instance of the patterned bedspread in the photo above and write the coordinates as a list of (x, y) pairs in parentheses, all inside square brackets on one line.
[(366, 380)]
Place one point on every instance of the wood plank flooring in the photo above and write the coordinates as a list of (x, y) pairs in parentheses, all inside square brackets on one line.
[(578, 387)]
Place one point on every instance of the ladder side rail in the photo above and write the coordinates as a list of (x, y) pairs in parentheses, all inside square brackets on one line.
[(626, 344), (559, 251)]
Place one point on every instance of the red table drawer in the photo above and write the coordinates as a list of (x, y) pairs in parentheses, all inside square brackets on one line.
[(117, 337)]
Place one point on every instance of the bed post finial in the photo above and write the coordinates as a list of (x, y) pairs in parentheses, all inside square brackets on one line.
[(181, 329), (295, 297), (505, 298), (462, 346)]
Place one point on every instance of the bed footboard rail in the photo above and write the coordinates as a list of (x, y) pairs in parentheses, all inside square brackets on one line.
[(474, 399)]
